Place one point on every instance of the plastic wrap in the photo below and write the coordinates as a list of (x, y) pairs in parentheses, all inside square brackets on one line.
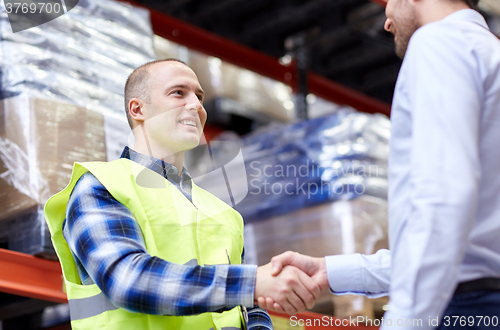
[(62, 101), (40, 140), (319, 107), (82, 57), (288, 167), (258, 97)]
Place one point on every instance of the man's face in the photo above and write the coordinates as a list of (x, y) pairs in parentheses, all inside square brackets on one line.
[(401, 22), (175, 117)]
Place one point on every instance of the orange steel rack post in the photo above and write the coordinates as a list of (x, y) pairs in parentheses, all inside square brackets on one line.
[(29, 276)]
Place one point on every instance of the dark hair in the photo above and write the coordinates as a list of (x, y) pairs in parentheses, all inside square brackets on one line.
[(138, 84), (474, 4)]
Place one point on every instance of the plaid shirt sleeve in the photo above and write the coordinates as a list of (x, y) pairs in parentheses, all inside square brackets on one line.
[(109, 250)]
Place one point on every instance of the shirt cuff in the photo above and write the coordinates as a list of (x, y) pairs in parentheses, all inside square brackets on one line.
[(259, 319), (240, 285), (344, 273)]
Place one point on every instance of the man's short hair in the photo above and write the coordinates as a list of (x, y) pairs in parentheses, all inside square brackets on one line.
[(138, 84), (474, 4)]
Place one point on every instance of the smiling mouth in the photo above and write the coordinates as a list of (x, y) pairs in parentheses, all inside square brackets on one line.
[(189, 123)]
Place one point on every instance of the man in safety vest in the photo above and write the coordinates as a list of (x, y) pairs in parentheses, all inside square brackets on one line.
[(141, 246)]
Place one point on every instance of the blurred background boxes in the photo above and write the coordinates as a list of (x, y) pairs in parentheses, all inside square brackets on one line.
[(40, 141), (342, 227), (234, 97), (61, 101)]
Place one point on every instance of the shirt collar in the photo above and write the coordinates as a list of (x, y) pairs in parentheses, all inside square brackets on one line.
[(470, 15), (165, 169)]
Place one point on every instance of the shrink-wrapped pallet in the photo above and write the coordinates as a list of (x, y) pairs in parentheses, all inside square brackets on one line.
[(40, 140), (61, 101)]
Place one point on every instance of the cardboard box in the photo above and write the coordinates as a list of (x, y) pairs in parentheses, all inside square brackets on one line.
[(40, 140), (342, 227), (43, 138)]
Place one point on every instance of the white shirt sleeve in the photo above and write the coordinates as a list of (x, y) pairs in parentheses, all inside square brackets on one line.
[(445, 92), (360, 274)]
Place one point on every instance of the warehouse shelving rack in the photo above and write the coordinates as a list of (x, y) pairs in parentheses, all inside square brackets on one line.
[(203, 41), (29, 283)]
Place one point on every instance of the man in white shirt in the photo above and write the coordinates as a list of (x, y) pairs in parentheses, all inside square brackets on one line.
[(444, 182)]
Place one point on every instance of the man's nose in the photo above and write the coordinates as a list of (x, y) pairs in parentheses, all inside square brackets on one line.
[(387, 25), (194, 103)]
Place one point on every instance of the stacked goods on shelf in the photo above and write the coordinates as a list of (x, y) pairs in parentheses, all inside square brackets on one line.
[(243, 92), (82, 57), (289, 167), (40, 140), (317, 187), (62, 101), (230, 89), (336, 157), (340, 161), (343, 227), (296, 172)]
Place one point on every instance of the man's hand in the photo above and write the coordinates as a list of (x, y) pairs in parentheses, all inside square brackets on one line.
[(313, 267), (292, 289)]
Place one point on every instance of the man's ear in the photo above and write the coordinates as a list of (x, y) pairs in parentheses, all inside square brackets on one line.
[(135, 109)]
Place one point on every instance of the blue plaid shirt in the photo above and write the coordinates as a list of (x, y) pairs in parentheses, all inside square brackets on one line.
[(109, 250)]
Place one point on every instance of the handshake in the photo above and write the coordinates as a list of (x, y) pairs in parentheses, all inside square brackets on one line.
[(290, 283)]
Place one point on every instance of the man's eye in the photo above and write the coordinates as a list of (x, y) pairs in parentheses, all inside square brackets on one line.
[(200, 97), (178, 92)]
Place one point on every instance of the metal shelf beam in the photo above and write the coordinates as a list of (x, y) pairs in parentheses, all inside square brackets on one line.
[(383, 3), (29, 276)]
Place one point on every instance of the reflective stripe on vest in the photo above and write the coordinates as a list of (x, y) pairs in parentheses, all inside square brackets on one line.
[(88, 307)]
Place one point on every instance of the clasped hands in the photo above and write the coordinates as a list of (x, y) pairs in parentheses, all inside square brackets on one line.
[(290, 283)]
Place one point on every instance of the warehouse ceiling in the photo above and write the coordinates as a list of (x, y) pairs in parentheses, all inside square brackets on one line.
[(344, 39)]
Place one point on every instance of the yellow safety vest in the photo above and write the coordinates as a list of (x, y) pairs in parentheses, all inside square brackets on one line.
[(207, 231)]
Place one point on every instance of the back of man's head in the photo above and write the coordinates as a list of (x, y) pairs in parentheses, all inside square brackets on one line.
[(138, 84)]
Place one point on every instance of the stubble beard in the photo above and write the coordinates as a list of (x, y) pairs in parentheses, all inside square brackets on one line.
[(404, 36), (405, 31), (402, 46)]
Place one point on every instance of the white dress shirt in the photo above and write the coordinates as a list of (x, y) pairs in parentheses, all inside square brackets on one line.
[(444, 175)]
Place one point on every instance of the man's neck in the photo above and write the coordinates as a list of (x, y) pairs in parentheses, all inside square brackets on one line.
[(146, 146), (176, 159)]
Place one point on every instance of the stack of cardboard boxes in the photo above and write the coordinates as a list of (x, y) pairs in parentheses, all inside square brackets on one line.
[(342, 227), (61, 101), (40, 141)]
